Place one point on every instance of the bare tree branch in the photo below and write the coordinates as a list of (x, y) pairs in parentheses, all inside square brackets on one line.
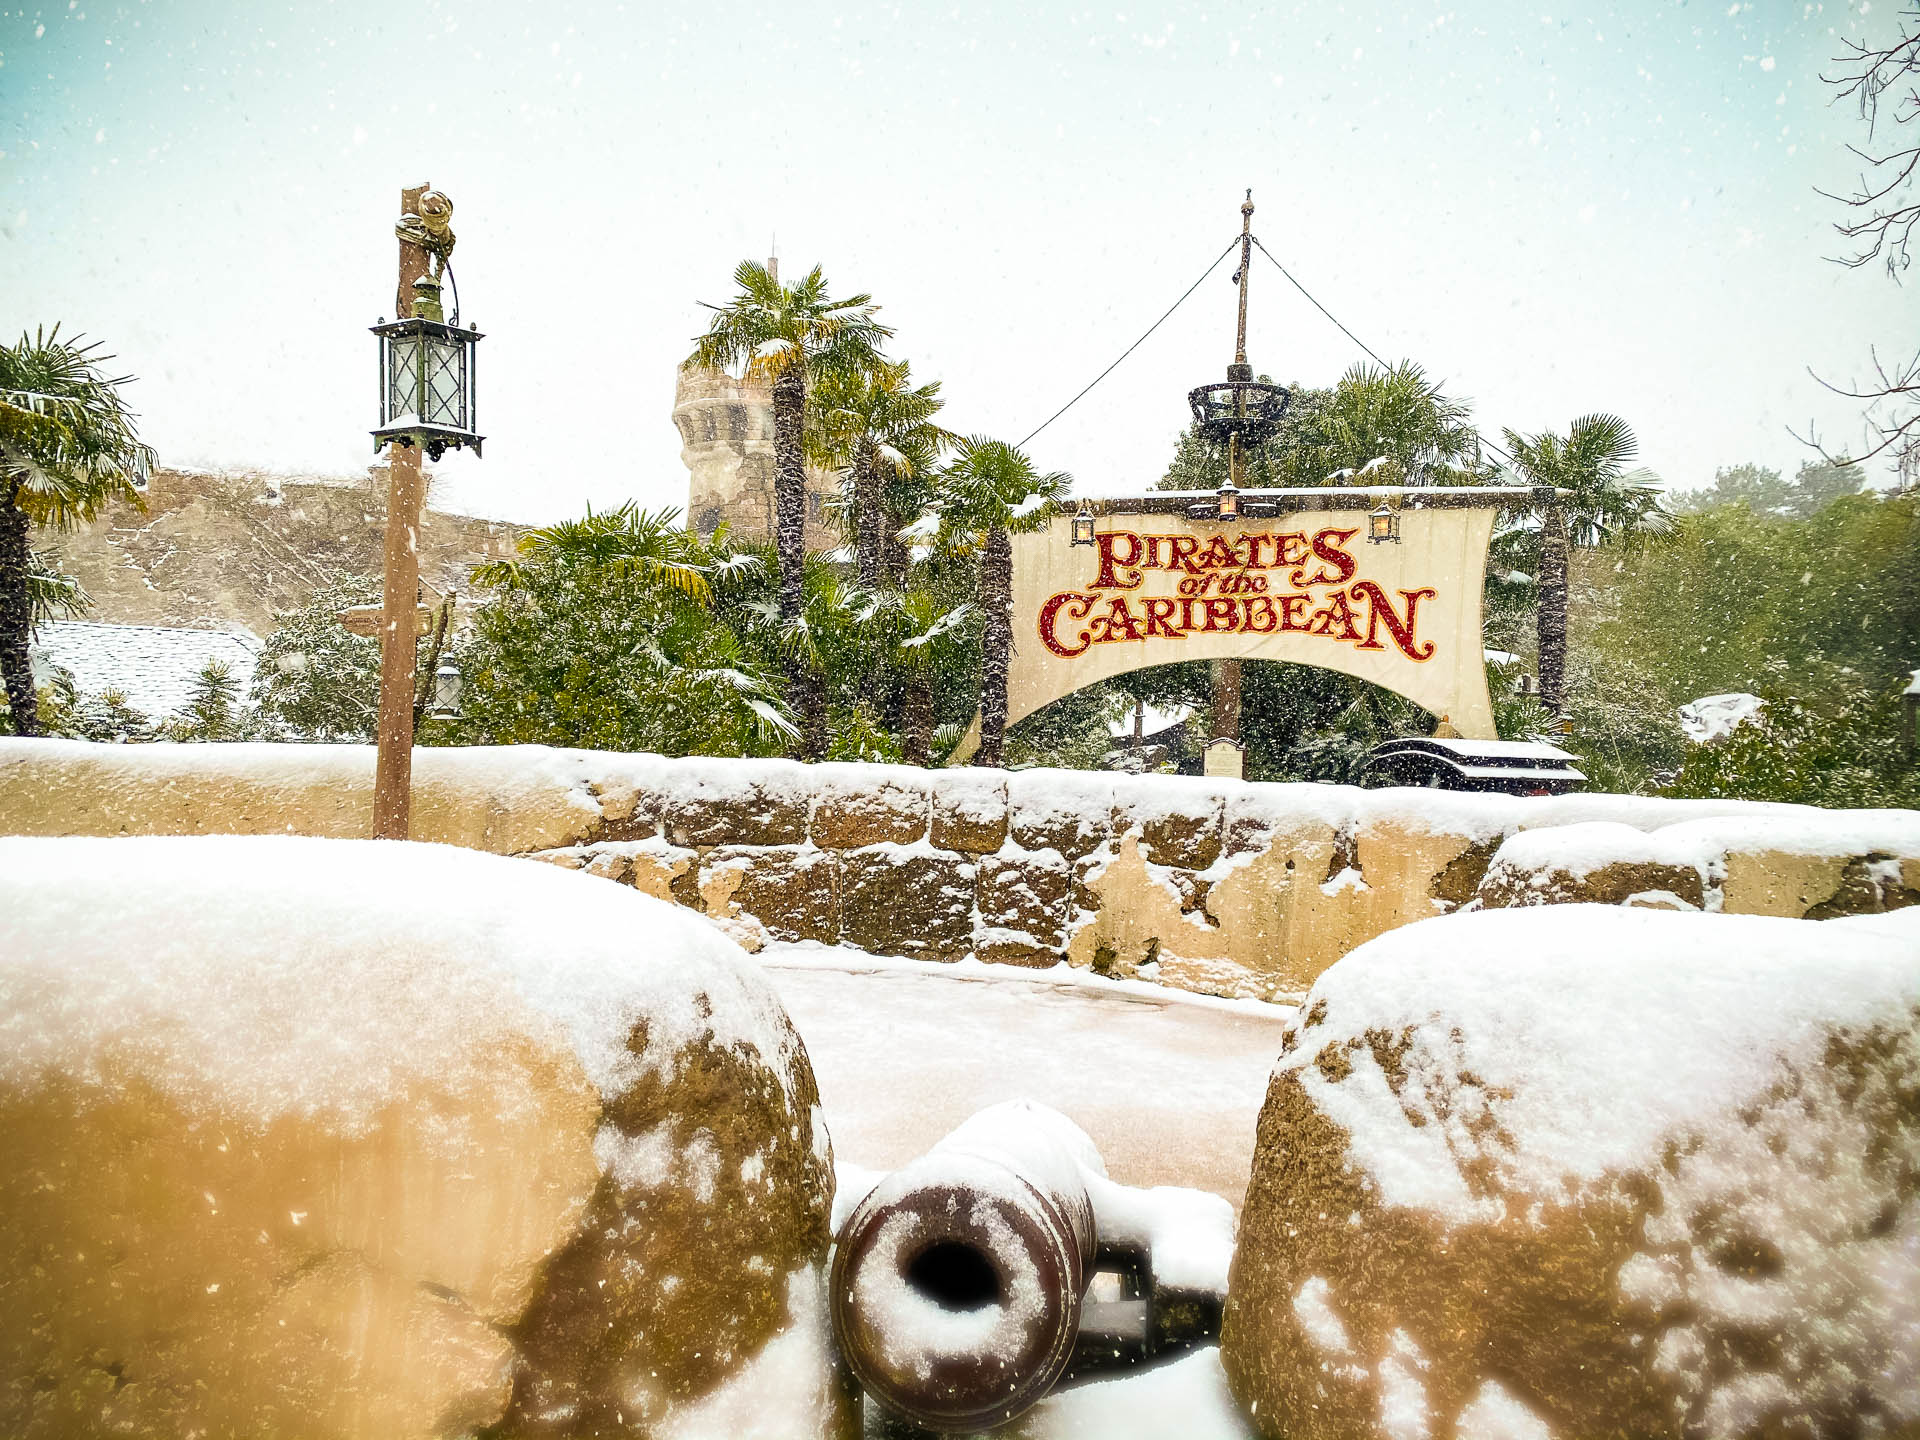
[(1880, 80)]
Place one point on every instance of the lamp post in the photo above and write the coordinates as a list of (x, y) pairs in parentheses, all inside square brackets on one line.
[(427, 399), (1241, 412)]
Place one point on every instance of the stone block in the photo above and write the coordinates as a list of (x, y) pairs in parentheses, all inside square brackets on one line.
[(1022, 899), (736, 803), (792, 890), (1599, 862), (907, 900), (1556, 1172), (1066, 810), (1177, 817), (969, 809), (856, 805)]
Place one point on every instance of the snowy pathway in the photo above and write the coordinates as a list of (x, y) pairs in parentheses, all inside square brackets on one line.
[(1168, 1085)]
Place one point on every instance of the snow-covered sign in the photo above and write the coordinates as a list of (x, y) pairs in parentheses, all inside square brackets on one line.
[(1300, 582), (1714, 717)]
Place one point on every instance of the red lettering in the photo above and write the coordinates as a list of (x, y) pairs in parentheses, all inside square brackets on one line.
[(1220, 555), (1262, 606), (1077, 607), (1328, 545), (1380, 611), (1222, 615), (1337, 613), (1159, 613), (1111, 561), (1120, 624), (1292, 608), (1254, 542), (1180, 550)]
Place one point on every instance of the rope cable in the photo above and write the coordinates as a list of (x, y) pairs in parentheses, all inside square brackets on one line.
[(1363, 344), (1138, 343)]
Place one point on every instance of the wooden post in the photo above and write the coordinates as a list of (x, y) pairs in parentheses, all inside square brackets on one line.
[(1226, 673), (393, 767)]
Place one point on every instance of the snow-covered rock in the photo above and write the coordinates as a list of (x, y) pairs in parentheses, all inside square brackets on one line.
[(1585, 1170), (356, 1139), (1714, 717)]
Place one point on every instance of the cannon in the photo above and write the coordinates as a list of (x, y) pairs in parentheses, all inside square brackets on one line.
[(1003, 1263)]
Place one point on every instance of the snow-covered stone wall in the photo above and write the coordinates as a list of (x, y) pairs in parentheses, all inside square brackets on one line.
[(1218, 886)]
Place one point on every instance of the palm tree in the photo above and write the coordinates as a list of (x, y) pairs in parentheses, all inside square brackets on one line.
[(1397, 416), (876, 426), (609, 631), (67, 448), (991, 490), (922, 637), (1602, 498), (789, 336)]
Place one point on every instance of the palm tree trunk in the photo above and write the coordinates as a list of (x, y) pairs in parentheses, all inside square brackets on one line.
[(790, 543), (919, 719), (870, 527), (1551, 614), (810, 700), (996, 646), (789, 485), (16, 618)]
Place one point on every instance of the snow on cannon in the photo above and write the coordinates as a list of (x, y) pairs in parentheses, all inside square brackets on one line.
[(1004, 1262)]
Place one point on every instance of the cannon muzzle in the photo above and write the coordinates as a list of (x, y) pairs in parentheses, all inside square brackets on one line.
[(959, 1284)]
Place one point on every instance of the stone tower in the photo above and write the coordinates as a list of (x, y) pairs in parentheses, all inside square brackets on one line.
[(726, 443)]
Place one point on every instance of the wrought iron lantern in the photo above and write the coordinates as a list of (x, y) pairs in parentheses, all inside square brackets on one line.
[(1383, 523), (1083, 525), (427, 379), (447, 684)]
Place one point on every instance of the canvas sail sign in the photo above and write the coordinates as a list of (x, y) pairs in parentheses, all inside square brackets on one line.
[(1306, 586)]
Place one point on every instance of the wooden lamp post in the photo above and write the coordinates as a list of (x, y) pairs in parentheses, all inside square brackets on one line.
[(427, 395)]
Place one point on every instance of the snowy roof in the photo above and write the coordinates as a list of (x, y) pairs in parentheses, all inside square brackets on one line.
[(1156, 720), (154, 666)]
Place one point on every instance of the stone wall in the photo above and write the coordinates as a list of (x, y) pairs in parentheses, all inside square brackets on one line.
[(1219, 886)]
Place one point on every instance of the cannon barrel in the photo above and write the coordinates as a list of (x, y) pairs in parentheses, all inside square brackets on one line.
[(960, 1283)]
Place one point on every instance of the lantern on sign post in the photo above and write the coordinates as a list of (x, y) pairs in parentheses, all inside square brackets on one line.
[(1383, 523), (1083, 525), (427, 378)]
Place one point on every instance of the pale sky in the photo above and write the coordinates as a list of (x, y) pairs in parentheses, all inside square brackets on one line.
[(1558, 208)]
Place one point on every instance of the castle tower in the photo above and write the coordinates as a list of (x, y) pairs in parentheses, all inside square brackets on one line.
[(726, 443)]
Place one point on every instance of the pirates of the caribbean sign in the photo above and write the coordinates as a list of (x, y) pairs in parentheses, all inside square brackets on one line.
[(1307, 587)]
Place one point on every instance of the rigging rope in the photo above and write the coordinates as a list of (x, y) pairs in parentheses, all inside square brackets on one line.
[(1136, 344), (1363, 344)]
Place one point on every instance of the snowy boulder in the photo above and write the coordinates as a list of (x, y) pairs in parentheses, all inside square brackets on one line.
[(1599, 861), (355, 1139), (1581, 1171), (1714, 717)]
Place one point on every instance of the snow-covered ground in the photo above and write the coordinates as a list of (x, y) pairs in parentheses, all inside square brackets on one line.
[(1168, 1085)]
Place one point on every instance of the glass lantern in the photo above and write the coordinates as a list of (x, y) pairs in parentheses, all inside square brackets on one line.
[(447, 683), (1083, 525), (427, 381), (1383, 524)]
